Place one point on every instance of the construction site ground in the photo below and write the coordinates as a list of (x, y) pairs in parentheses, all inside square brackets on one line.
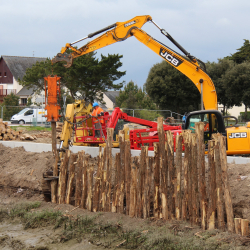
[(21, 182)]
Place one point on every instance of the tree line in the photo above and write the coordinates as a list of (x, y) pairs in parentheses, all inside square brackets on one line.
[(165, 88)]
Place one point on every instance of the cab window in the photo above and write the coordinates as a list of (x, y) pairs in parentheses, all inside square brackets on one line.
[(29, 112), (210, 124), (198, 118)]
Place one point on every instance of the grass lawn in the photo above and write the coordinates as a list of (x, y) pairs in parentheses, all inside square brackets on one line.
[(30, 128)]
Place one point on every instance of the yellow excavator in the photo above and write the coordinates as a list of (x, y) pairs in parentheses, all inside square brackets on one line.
[(238, 141)]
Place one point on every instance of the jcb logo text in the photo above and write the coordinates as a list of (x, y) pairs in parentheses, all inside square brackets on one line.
[(237, 135), (173, 60)]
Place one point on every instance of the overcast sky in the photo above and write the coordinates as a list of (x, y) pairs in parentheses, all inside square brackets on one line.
[(208, 29)]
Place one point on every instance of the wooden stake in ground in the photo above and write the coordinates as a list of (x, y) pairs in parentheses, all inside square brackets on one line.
[(116, 183), (110, 133), (212, 187), (103, 182), (69, 191), (219, 189), (54, 182), (144, 181), (227, 193), (178, 190), (156, 181), (194, 179), (186, 167), (55, 167), (199, 129), (133, 196), (237, 223), (90, 186), (127, 174), (171, 173), (96, 195), (79, 169), (122, 172), (163, 169), (244, 227), (84, 181), (63, 178)]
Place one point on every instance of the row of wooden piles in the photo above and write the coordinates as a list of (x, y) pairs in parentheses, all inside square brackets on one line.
[(6, 133), (168, 186)]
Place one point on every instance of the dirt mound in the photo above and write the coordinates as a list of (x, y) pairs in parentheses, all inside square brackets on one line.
[(23, 169), (239, 178)]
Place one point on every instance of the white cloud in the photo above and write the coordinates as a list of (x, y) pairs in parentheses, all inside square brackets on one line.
[(208, 29)]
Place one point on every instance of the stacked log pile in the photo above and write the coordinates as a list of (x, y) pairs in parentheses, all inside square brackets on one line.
[(6, 133)]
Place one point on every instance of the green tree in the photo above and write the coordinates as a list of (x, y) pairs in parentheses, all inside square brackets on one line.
[(243, 53), (29, 101), (10, 102), (237, 82), (171, 90), (217, 73), (88, 77), (133, 97)]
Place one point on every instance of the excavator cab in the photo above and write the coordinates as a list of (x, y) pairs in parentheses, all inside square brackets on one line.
[(212, 119)]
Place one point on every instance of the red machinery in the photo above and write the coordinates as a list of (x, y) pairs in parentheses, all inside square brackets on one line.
[(85, 131)]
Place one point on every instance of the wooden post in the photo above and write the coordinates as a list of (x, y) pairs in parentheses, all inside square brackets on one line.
[(79, 168), (90, 187), (199, 129), (140, 177), (116, 183), (244, 227), (219, 190), (110, 133), (84, 181), (178, 190), (133, 196), (194, 179), (156, 181), (146, 191), (103, 182), (212, 186), (237, 223), (55, 167), (163, 169), (171, 173), (186, 169), (54, 182), (122, 172), (225, 181), (144, 181), (127, 174), (71, 178), (96, 195), (63, 178)]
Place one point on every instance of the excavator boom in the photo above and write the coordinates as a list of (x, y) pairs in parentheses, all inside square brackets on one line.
[(120, 31)]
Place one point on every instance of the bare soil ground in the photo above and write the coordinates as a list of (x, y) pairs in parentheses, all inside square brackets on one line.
[(21, 181)]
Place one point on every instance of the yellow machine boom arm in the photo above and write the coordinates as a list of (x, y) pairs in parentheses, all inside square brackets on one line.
[(120, 31)]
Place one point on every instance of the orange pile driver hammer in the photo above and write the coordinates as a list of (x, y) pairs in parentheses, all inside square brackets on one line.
[(52, 94)]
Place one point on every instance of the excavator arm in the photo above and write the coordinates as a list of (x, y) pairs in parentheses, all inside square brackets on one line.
[(120, 31), (116, 32)]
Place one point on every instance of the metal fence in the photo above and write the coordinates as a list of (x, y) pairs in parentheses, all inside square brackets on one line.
[(6, 112)]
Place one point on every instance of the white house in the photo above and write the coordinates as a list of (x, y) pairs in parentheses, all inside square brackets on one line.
[(13, 68)]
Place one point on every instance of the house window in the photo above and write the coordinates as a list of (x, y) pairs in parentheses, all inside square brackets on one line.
[(5, 74), (23, 101)]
